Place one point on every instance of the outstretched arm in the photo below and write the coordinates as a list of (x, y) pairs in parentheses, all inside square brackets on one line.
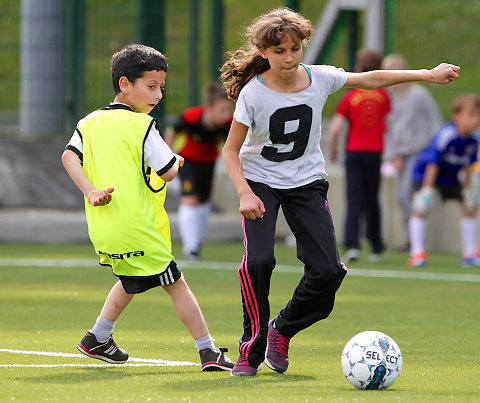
[(95, 197), (442, 74)]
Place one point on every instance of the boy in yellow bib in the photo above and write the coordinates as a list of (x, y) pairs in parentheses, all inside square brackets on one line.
[(119, 148)]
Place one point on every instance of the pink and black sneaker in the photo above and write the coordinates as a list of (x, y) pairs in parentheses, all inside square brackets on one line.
[(243, 368), (276, 357)]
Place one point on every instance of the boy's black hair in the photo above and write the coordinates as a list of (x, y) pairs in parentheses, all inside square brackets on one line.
[(133, 60)]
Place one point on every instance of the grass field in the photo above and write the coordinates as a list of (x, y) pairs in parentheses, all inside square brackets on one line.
[(50, 295)]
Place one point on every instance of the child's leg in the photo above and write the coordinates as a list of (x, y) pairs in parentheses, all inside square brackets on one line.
[(191, 315), (116, 302), (308, 215), (98, 342), (468, 229), (114, 305), (189, 228), (355, 179), (187, 309), (417, 228), (254, 273)]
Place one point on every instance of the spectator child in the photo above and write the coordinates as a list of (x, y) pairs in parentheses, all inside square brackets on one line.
[(195, 136), (411, 125), (454, 148), (365, 112)]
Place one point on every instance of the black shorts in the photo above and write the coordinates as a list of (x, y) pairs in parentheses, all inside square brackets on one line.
[(139, 284), (197, 179), (447, 192)]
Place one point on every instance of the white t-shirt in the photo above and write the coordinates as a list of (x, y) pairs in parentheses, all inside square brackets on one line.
[(157, 154), (282, 146)]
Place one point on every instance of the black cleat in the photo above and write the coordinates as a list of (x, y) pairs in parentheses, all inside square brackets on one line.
[(215, 360), (107, 351)]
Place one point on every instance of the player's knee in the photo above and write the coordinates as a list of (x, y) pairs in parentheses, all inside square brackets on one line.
[(328, 281), (263, 262)]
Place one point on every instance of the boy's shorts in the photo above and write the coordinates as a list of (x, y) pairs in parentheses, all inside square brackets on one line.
[(197, 179), (447, 192), (139, 284)]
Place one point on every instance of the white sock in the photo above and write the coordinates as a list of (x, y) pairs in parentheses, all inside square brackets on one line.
[(205, 342), (468, 228), (103, 329), (417, 227), (203, 214), (188, 225)]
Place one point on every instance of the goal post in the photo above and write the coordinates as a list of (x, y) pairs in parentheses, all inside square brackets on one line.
[(340, 13)]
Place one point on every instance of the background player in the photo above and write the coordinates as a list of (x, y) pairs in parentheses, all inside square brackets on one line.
[(437, 167), (196, 136), (365, 112), (411, 125)]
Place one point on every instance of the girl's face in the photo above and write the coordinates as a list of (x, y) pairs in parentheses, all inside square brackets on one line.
[(285, 57), (143, 95)]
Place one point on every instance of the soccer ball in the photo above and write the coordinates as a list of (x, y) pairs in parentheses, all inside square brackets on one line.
[(371, 360)]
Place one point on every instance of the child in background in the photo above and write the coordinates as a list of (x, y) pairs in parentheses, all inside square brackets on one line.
[(365, 112), (120, 148), (195, 136), (273, 157), (411, 125), (454, 148)]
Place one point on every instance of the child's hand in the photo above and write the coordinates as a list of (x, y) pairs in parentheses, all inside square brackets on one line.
[(444, 73), (180, 160), (100, 197), (251, 206)]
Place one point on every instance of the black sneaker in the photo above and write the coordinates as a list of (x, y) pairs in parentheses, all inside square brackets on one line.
[(215, 360), (107, 351)]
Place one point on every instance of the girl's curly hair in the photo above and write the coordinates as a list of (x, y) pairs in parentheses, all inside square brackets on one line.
[(267, 30)]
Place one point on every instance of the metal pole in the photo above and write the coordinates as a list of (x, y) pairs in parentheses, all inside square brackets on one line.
[(293, 4), (389, 26), (193, 53), (217, 16), (75, 62), (352, 38), (42, 67), (151, 32)]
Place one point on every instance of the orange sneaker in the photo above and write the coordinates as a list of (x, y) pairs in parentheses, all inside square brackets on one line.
[(418, 260)]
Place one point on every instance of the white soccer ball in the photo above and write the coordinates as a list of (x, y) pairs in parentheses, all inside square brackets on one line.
[(371, 360)]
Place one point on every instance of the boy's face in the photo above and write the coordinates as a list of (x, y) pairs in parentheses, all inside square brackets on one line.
[(218, 113), (468, 118), (143, 95)]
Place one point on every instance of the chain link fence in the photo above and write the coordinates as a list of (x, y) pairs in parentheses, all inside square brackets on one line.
[(426, 32)]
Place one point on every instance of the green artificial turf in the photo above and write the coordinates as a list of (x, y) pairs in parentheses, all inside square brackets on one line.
[(45, 307)]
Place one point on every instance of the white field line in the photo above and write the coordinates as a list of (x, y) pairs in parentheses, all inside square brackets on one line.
[(106, 365), (411, 274), (133, 362)]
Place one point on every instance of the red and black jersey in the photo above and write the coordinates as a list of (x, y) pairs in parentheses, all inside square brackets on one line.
[(366, 111), (194, 141)]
